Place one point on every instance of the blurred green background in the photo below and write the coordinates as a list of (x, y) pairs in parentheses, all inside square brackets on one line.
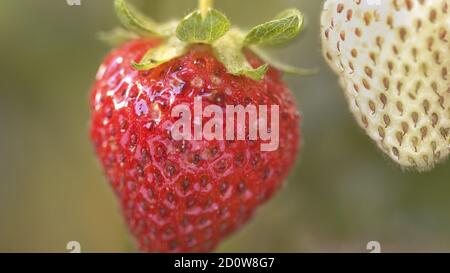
[(342, 194)]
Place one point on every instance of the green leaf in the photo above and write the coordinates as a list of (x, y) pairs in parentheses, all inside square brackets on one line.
[(116, 36), (282, 29), (256, 74), (196, 28), (282, 66), (173, 48), (229, 51), (135, 21)]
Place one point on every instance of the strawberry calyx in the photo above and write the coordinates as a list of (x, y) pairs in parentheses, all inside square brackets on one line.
[(208, 26)]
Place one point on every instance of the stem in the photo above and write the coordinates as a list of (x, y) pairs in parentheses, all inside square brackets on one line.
[(205, 5)]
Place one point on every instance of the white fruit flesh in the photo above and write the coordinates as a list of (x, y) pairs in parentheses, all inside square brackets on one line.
[(393, 61)]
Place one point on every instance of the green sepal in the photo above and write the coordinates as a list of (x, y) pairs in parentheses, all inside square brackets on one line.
[(171, 49), (137, 22), (256, 74), (212, 27), (207, 28), (285, 27), (287, 68), (229, 51)]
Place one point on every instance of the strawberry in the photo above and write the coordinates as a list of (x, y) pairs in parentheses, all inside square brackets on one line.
[(393, 62), (187, 195)]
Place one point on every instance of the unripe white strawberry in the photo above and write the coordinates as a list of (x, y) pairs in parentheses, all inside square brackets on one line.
[(393, 61)]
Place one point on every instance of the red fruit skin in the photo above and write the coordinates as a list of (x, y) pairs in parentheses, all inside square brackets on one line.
[(185, 196)]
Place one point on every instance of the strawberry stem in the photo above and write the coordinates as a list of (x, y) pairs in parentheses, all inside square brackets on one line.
[(205, 5)]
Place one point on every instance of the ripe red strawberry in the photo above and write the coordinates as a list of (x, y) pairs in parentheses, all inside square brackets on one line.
[(185, 196)]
